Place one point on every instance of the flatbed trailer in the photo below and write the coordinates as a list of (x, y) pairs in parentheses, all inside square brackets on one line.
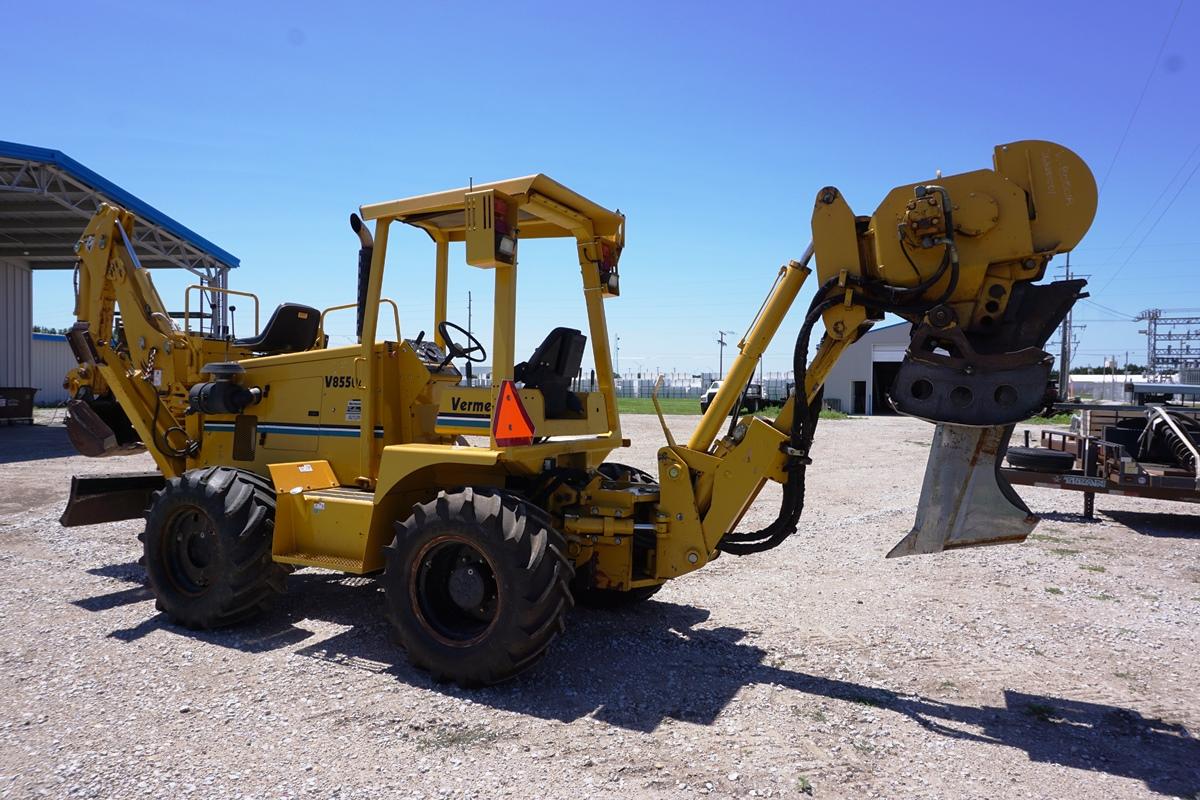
[(1105, 467)]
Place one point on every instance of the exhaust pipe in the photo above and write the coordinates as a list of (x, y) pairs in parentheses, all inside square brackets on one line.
[(365, 251)]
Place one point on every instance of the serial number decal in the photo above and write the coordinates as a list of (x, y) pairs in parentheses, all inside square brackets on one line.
[(339, 382), (1077, 480)]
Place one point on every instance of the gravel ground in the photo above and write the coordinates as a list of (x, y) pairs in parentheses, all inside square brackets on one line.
[(1063, 667)]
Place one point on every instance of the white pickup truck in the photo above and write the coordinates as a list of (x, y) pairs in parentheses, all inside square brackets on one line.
[(752, 402)]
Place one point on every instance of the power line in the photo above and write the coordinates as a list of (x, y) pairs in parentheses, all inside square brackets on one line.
[(1150, 208), (1157, 220), (1091, 302), (1142, 96)]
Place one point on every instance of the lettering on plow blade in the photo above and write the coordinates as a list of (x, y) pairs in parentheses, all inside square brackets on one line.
[(965, 501)]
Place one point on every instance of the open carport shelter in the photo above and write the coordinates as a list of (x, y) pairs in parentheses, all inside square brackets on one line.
[(46, 200)]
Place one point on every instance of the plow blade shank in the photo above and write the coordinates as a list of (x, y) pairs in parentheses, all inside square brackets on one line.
[(109, 498), (965, 501)]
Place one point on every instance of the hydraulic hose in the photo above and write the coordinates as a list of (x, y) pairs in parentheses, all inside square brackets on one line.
[(806, 414), (804, 422)]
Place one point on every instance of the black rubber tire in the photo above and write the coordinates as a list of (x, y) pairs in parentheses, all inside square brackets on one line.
[(528, 587), (207, 547), (1039, 458)]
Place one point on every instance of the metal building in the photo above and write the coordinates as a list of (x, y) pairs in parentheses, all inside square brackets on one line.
[(46, 200), (52, 360), (859, 380)]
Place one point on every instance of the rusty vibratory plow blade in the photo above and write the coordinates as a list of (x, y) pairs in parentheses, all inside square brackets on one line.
[(965, 501)]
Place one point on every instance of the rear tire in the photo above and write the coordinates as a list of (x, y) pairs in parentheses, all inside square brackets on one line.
[(207, 547), (477, 586)]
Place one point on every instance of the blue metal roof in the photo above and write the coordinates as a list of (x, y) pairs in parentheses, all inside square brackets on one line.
[(118, 195)]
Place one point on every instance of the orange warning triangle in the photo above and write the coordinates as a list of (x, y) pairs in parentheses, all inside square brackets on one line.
[(511, 426)]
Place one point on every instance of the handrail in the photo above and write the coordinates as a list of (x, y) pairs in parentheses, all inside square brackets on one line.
[(382, 300), (187, 293)]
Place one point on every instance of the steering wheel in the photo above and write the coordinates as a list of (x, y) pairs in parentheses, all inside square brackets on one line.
[(454, 350)]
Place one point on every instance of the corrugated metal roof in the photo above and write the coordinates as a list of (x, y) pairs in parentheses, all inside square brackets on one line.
[(38, 213)]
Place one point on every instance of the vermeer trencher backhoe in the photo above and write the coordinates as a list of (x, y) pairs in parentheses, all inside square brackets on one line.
[(487, 511)]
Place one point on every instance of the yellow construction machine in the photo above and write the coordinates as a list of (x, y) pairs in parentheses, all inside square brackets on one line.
[(487, 511)]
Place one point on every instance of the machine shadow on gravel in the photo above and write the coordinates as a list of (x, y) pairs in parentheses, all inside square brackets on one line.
[(19, 443), (1168, 526), (332, 597), (642, 666)]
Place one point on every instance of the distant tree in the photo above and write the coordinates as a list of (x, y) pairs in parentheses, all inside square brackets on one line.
[(45, 329)]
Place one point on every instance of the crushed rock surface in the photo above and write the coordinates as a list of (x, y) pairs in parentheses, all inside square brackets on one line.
[(1062, 667)]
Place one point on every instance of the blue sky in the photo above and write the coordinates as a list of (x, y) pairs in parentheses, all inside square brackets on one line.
[(711, 126)]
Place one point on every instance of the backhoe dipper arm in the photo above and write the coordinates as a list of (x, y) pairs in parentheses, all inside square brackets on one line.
[(142, 360), (958, 259)]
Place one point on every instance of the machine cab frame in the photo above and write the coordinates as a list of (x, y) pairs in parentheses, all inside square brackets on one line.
[(491, 219)]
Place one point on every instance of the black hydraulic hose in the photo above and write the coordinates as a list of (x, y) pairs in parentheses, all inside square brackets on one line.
[(806, 416), (804, 420)]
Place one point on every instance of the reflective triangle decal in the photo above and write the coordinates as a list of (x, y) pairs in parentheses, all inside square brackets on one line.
[(511, 426)]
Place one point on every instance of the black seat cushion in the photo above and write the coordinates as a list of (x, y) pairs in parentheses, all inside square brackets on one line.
[(551, 367), (293, 327)]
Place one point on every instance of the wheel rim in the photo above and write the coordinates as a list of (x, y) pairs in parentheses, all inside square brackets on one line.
[(454, 591), (189, 549)]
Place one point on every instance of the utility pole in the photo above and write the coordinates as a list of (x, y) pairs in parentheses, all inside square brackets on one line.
[(721, 342), (617, 356), (1067, 344), (1064, 359)]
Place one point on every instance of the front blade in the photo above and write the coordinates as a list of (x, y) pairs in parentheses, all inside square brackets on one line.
[(965, 501), (109, 498)]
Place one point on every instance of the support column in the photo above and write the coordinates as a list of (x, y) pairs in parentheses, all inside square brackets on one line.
[(441, 283), (504, 329)]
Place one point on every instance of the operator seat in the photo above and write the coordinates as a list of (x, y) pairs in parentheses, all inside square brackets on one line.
[(293, 327), (550, 369)]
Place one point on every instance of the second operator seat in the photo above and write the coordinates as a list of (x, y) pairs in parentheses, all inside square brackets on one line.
[(550, 369), (292, 328)]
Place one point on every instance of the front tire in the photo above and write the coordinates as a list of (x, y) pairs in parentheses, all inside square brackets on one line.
[(207, 547), (477, 586)]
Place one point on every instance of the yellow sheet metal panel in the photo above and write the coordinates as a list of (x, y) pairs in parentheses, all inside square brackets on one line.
[(835, 242), (491, 229), (468, 411), (1062, 190), (752, 462), (683, 549), (465, 410), (290, 480), (399, 461), (443, 210), (317, 522), (299, 476)]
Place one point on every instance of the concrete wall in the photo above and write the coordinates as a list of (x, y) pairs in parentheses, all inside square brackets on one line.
[(52, 359), (880, 344), (16, 304)]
